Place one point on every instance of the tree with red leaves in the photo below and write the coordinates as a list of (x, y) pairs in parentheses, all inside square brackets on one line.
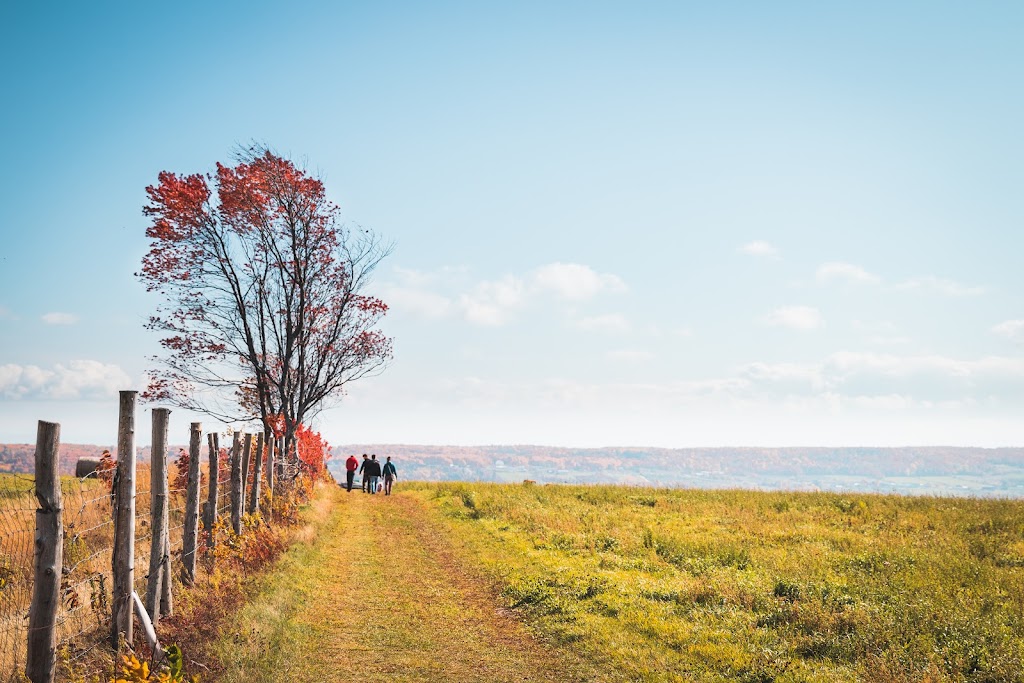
[(264, 314)]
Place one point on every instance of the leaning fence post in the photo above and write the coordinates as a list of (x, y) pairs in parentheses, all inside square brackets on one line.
[(123, 564), (236, 482), (191, 531), (159, 559), (257, 460), (41, 662)]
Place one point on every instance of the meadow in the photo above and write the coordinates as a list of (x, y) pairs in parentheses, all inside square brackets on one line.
[(697, 585)]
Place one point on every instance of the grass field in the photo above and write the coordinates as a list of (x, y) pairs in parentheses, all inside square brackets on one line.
[(667, 585)]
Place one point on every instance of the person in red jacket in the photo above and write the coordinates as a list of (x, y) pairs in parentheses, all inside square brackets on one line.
[(351, 465)]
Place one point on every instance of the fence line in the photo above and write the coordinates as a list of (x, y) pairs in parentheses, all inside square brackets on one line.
[(109, 522)]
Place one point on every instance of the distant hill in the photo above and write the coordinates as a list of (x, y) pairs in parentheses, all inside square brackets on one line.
[(925, 470)]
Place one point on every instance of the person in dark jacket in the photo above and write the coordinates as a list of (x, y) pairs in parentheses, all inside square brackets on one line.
[(374, 471), (351, 465), (390, 474), (363, 471)]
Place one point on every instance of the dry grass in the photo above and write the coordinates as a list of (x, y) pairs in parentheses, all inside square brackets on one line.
[(83, 619)]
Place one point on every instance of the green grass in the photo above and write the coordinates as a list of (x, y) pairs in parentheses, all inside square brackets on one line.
[(661, 585)]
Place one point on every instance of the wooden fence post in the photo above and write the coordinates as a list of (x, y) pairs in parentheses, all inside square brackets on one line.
[(271, 443), (159, 557), (166, 599), (282, 460), (191, 531), (123, 563), (236, 482), (41, 662), (210, 515), (246, 455), (257, 464)]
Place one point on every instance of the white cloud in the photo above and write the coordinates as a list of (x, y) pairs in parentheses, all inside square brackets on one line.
[(1011, 329), (847, 363), (79, 379), (795, 317), (760, 248), (629, 356), (783, 373), (886, 403), (855, 379), (419, 302), (59, 318), (575, 282), (938, 285), (610, 322), (883, 340), (835, 271), (845, 272), (447, 292), (492, 303)]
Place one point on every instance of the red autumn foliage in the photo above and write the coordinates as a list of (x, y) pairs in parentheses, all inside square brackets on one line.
[(107, 468), (264, 314), (180, 481), (313, 451)]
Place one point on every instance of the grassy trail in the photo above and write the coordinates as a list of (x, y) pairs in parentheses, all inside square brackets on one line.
[(374, 593)]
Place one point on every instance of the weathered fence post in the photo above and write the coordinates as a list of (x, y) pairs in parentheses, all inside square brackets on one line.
[(166, 599), (246, 454), (191, 531), (123, 564), (282, 460), (236, 482), (257, 464), (210, 516), (159, 557), (271, 443), (41, 662)]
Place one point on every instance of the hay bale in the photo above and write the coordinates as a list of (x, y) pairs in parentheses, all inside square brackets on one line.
[(86, 466)]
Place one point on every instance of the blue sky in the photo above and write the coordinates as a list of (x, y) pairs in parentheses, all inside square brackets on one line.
[(616, 224)]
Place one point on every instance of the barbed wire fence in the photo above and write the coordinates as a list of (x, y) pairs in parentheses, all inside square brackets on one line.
[(78, 624), (17, 524)]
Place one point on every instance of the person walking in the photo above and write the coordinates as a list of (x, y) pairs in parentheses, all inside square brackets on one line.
[(351, 465), (364, 471), (390, 474), (374, 470)]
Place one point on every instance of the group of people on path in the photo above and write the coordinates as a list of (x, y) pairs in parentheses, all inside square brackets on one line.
[(371, 472)]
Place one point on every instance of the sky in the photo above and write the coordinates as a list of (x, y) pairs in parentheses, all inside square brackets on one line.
[(649, 224)]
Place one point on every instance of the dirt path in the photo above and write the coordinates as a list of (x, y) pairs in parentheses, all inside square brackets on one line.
[(378, 595)]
